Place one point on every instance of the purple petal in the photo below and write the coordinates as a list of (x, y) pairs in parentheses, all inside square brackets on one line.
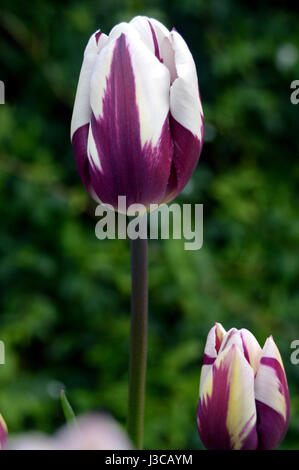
[(226, 414), (79, 143), (212, 412), (252, 349), (187, 149), (272, 402), (271, 426)]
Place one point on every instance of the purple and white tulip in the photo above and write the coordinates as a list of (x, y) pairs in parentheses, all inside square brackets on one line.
[(137, 125), (244, 400)]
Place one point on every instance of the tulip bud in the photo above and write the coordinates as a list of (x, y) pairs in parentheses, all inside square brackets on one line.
[(3, 432), (244, 399), (137, 125)]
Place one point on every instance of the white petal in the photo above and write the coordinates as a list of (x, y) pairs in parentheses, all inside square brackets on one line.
[(168, 57), (213, 343), (143, 25), (92, 153), (232, 337), (160, 29), (241, 416), (252, 349), (146, 27), (122, 28), (185, 104), (99, 78), (82, 110), (271, 350), (102, 41), (214, 340), (270, 383), (152, 91)]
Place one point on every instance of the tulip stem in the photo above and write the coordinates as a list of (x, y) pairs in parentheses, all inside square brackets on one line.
[(138, 344)]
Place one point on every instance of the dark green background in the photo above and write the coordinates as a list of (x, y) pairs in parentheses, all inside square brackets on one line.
[(65, 296)]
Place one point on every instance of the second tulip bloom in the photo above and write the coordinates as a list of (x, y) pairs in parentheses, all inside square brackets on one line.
[(244, 399)]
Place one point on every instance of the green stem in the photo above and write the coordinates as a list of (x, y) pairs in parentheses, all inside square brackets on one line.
[(138, 347)]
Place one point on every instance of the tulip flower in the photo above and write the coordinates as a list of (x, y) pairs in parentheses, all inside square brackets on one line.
[(137, 125), (3, 432), (244, 400)]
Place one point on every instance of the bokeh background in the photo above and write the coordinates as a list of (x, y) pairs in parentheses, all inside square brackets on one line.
[(65, 296)]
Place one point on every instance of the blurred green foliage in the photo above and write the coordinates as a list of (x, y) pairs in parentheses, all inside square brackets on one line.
[(65, 296)]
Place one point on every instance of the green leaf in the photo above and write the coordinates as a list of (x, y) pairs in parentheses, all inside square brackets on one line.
[(67, 409)]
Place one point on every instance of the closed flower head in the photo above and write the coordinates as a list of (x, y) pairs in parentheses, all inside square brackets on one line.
[(137, 126), (244, 400)]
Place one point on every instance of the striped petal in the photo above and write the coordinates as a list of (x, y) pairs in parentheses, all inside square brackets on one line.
[(158, 39), (152, 33), (252, 349), (82, 109), (150, 80), (272, 397), (247, 344), (232, 337), (186, 117), (129, 152), (212, 347), (226, 414), (185, 103), (3, 433)]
